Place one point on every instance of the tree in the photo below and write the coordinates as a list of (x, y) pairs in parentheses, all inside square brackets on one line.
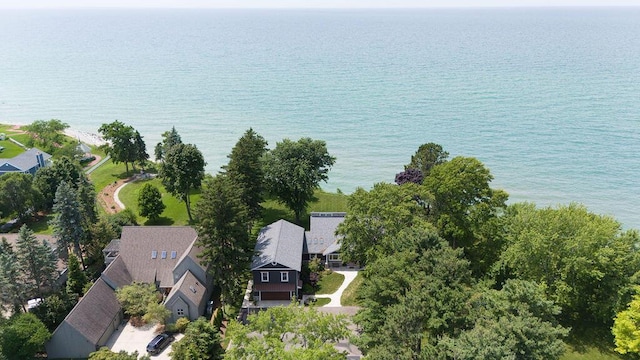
[(17, 195), (36, 260), (201, 341), (76, 278), (121, 145), (293, 171), (150, 202), (291, 332), (222, 230), (67, 222), (516, 322), (100, 234), (24, 337), (12, 286), (426, 157), (47, 134), (169, 138), (156, 313), (626, 327), (53, 309), (137, 297), (140, 147), (375, 218), (245, 170), (105, 354), (585, 260), (182, 171), (410, 175), (48, 179)]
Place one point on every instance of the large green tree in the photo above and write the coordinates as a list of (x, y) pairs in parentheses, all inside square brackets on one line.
[(46, 134), (626, 328), (245, 170), (375, 218), (137, 298), (182, 171), (287, 333), (67, 221), (18, 197), (36, 259), (294, 170), (48, 179), (76, 278), (24, 337), (585, 260), (124, 143), (169, 138), (150, 203), (227, 248), (201, 341), (105, 354), (54, 308), (426, 157), (12, 286)]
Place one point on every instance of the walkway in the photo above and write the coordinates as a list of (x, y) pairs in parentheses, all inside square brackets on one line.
[(335, 297)]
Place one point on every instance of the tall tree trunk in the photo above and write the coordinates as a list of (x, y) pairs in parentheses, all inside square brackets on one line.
[(187, 202), (78, 251)]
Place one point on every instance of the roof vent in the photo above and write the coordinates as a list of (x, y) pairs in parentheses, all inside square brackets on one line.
[(174, 254), (193, 290), (154, 254), (164, 254)]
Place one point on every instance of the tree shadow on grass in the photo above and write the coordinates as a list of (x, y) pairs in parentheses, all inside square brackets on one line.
[(162, 220), (585, 335)]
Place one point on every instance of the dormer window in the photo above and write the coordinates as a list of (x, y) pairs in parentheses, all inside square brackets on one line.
[(174, 254), (164, 254), (154, 254)]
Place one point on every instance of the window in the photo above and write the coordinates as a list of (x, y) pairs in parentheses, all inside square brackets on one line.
[(334, 257), (180, 312), (154, 254), (164, 254), (284, 276), (174, 254), (264, 276)]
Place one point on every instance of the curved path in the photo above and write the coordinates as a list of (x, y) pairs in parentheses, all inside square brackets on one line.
[(116, 198), (349, 275)]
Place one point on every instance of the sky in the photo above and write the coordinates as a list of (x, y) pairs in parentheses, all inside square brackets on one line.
[(305, 3)]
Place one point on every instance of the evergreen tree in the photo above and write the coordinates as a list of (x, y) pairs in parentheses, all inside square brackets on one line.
[(141, 155), (36, 260), (223, 235), (48, 179), (11, 283), (245, 170), (150, 203), (169, 138), (76, 278), (68, 221)]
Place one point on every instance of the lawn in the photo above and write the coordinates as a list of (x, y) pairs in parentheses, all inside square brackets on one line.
[(349, 296), (175, 212), (10, 149), (589, 342), (321, 301), (329, 283)]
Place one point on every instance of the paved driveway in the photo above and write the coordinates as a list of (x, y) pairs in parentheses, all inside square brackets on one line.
[(130, 339)]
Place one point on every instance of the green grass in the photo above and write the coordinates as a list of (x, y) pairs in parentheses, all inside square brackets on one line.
[(175, 212), (10, 149), (108, 173), (321, 301), (349, 296), (329, 283), (589, 342)]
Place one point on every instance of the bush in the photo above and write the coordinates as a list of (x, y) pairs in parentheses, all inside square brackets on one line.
[(181, 324)]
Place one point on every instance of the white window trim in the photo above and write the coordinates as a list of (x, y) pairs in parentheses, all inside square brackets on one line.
[(264, 276), (284, 276)]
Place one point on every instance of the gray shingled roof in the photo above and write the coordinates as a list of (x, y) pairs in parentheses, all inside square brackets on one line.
[(190, 287), (281, 243), (27, 159), (116, 273), (322, 234), (137, 244), (93, 314)]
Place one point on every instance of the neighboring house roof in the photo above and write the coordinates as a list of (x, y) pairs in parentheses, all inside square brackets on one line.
[(190, 288), (279, 243), (151, 252), (93, 314), (321, 238), (83, 148), (116, 274), (24, 161)]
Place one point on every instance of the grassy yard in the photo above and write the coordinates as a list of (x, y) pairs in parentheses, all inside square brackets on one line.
[(349, 296), (321, 301), (589, 342), (329, 283), (175, 212)]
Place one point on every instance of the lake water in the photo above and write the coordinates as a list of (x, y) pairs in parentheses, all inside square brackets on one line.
[(548, 99)]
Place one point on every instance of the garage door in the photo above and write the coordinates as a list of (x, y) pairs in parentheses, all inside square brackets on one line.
[(275, 296)]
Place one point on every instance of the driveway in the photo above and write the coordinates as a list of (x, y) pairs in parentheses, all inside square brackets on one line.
[(335, 297), (130, 339)]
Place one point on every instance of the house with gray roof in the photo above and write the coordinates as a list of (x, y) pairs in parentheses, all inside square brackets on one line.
[(166, 256), (277, 262), (321, 240), (27, 162)]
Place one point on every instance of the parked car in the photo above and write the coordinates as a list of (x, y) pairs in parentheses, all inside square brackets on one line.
[(158, 343)]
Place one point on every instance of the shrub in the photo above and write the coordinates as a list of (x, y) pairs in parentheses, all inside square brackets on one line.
[(181, 324)]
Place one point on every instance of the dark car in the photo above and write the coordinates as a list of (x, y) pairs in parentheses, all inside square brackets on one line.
[(159, 343)]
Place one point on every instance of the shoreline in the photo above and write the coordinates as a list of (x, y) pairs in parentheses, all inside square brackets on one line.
[(88, 138)]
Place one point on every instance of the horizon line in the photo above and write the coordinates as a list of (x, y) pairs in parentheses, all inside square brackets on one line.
[(426, 7)]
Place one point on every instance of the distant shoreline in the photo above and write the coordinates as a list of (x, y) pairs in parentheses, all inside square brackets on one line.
[(82, 136)]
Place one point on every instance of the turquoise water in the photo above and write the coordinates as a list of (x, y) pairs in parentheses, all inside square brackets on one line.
[(548, 99)]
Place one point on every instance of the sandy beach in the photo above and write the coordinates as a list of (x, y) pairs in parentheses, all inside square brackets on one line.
[(85, 137)]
